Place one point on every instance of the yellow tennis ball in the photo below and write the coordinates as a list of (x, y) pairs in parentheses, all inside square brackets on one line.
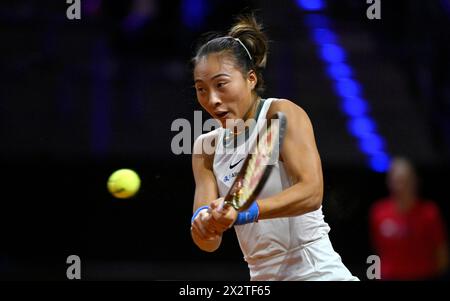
[(124, 183)]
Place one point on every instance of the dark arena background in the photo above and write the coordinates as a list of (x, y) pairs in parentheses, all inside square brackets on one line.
[(81, 98)]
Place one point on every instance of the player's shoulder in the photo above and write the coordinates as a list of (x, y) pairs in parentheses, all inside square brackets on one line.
[(209, 135), (285, 105), (204, 140), (212, 135), (290, 108)]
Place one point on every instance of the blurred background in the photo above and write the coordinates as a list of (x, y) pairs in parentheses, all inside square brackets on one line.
[(80, 99)]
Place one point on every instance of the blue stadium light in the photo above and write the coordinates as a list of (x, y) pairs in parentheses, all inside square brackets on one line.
[(311, 5), (316, 21), (361, 126), (354, 107), (346, 87), (193, 13), (380, 162), (324, 36), (339, 70), (332, 53), (372, 145)]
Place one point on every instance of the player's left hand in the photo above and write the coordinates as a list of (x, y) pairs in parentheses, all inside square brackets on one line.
[(224, 218)]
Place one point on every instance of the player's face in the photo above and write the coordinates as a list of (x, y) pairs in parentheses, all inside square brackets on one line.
[(222, 90)]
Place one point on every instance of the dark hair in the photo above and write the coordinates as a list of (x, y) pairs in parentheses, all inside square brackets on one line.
[(250, 33)]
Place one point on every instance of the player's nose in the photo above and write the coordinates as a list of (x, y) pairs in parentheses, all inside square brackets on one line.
[(214, 100)]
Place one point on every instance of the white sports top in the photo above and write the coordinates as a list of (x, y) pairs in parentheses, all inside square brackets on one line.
[(270, 237)]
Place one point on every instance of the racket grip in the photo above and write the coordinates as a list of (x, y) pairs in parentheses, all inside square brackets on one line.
[(224, 206)]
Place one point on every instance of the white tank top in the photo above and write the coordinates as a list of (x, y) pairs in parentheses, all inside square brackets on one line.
[(269, 237)]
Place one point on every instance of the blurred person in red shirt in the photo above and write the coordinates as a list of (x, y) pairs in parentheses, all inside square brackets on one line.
[(407, 232)]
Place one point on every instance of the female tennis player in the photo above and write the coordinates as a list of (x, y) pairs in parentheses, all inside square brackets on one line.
[(283, 235)]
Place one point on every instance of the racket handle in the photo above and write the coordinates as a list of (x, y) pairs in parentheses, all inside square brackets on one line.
[(224, 206)]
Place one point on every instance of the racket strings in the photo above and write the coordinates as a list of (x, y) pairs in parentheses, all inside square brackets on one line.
[(256, 166)]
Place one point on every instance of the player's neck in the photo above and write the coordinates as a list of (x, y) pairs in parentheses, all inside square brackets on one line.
[(249, 116), (251, 112)]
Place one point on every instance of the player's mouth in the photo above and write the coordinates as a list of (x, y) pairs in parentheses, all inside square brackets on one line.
[(221, 114)]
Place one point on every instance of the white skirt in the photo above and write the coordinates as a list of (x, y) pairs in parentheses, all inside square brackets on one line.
[(315, 261)]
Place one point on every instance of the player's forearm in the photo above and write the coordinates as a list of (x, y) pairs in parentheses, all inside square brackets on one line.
[(298, 199), (207, 245)]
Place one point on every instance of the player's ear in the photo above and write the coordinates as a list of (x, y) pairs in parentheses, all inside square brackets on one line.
[(252, 79)]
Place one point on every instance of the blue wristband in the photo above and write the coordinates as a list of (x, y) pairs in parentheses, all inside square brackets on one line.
[(197, 212), (248, 216)]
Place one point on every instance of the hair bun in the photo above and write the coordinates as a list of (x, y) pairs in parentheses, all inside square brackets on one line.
[(251, 34)]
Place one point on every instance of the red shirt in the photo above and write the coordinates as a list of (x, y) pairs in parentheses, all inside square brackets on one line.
[(406, 242)]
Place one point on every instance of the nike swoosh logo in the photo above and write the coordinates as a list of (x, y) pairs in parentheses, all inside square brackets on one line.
[(234, 165)]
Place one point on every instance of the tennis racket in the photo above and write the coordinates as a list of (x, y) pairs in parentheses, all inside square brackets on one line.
[(258, 164)]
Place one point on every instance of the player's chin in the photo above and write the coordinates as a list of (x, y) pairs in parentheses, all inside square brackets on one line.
[(226, 120)]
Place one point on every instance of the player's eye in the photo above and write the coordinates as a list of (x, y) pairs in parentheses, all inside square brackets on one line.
[(200, 89), (221, 84)]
